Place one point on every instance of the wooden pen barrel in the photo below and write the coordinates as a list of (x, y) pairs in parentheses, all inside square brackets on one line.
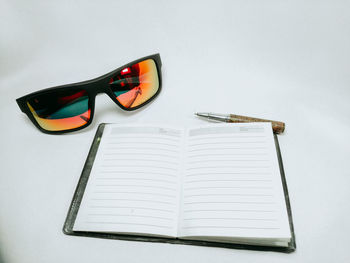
[(277, 126)]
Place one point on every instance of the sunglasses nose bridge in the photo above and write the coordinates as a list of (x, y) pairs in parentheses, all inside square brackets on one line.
[(97, 87)]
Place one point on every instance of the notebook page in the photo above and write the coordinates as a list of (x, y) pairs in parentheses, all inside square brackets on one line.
[(134, 183), (232, 184)]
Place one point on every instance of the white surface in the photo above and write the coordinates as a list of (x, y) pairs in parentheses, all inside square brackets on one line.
[(283, 60)]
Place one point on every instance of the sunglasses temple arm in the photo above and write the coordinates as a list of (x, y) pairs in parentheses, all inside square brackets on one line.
[(20, 105)]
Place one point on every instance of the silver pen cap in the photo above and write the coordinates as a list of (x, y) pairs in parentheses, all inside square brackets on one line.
[(214, 116)]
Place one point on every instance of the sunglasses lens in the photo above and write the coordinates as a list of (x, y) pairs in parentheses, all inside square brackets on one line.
[(60, 110), (136, 84)]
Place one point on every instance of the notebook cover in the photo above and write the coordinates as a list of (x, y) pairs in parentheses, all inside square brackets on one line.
[(79, 192)]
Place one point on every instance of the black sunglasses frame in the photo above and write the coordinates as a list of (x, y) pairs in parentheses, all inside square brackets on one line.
[(92, 87)]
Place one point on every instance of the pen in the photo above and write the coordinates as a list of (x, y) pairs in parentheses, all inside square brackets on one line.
[(277, 126)]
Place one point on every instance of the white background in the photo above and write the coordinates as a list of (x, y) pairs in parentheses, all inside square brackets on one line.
[(283, 60)]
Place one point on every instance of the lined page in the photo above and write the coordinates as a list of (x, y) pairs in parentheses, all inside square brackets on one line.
[(232, 184), (134, 184)]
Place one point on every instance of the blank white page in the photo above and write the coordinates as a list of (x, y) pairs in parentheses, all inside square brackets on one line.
[(134, 183), (232, 184)]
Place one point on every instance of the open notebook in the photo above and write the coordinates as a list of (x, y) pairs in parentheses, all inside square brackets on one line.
[(215, 185)]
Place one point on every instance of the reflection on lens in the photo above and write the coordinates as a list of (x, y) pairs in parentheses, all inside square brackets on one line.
[(136, 84), (60, 110)]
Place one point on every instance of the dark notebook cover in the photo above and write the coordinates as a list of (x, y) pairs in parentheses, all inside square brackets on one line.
[(79, 192)]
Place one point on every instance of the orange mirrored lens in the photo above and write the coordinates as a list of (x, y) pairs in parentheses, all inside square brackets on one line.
[(58, 111), (136, 84)]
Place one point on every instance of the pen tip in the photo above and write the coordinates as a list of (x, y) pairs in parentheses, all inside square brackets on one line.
[(201, 114)]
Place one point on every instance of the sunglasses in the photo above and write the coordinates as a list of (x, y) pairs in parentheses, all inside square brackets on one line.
[(70, 107)]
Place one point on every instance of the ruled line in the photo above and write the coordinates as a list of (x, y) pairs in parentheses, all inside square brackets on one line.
[(131, 207), (143, 166), (225, 154), (131, 200), (226, 137), (236, 227), (226, 187), (227, 173), (226, 166), (137, 172), (232, 160), (227, 148), (131, 185), (228, 210), (140, 148), (128, 223), (142, 216), (147, 143), (140, 160), (230, 180), (228, 202), (193, 195), (230, 218), (139, 153), (225, 143), (135, 179), (130, 192)]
